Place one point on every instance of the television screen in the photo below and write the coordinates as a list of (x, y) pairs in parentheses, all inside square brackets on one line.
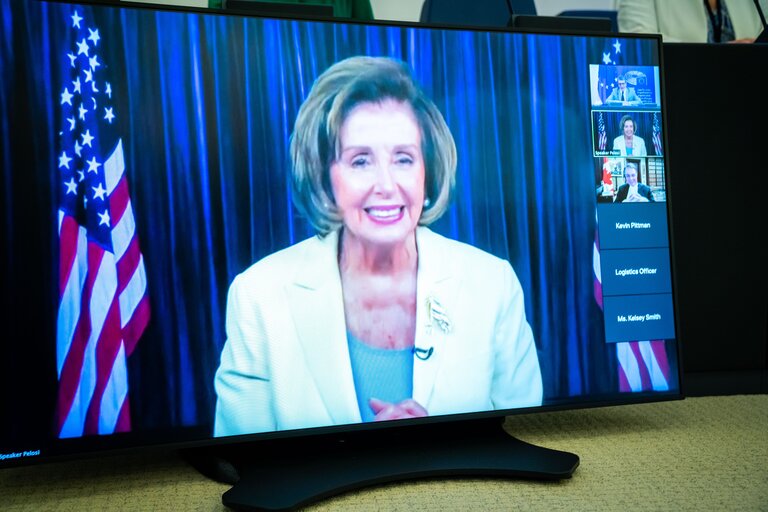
[(221, 227)]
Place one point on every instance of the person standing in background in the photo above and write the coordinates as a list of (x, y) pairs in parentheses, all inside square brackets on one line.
[(692, 21), (357, 9)]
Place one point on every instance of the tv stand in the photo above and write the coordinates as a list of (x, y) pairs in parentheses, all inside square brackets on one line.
[(289, 473)]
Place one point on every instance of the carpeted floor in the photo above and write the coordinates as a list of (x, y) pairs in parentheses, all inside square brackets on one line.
[(708, 453)]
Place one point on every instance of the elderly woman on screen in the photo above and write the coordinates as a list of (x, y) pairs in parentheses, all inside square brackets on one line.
[(376, 317), (629, 143)]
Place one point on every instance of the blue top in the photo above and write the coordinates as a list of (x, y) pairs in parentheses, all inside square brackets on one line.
[(386, 374)]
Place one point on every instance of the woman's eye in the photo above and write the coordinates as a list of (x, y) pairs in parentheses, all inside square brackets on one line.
[(403, 160), (359, 161)]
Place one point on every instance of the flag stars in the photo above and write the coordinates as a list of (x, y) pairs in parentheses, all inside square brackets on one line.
[(64, 160), (617, 46), (82, 47), (94, 36), (93, 165), (606, 58), (66, 97), (76, 19), (87, 138), (71, 186), (99, 192)]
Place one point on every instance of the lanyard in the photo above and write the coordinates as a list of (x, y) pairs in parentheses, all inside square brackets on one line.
[(715, 19)]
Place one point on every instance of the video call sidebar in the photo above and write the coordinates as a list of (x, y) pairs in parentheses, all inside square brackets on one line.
[(634, 261)]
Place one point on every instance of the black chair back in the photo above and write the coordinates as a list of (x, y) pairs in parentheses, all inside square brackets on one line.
[(480, 13)]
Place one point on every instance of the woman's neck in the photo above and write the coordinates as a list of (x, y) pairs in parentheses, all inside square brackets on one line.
[(379, 288), (359, 257)]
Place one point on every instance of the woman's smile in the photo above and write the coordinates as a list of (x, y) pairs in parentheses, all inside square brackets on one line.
[(385, 214)]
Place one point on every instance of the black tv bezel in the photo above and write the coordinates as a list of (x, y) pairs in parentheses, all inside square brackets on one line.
[(122, 443)]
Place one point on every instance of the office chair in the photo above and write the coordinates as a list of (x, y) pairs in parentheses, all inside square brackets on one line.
[(481, 13), (594, 13)]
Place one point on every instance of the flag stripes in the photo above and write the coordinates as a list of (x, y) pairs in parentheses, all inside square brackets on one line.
[(104, 309)]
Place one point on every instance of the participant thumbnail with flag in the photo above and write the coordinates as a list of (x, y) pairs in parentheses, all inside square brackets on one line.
[(616, 85), (628, 133)]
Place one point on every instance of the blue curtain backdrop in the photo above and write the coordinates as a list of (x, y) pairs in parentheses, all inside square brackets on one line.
[(207, 104)]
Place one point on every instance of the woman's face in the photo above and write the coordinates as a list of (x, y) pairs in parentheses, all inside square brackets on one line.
[(378, 179), (629, 128)]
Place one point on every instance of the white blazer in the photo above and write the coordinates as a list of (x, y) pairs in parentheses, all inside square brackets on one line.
[(638, 146), (685, 20), (285, 364)]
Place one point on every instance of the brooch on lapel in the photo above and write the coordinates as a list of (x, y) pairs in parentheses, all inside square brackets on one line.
[(437, 316)]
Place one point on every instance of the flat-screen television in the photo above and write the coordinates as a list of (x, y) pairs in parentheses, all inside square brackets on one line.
[(243, 235)]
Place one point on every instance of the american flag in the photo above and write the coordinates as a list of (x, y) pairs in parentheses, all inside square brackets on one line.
[(657, 134), (643, 365), (103, 301), (602, 140)]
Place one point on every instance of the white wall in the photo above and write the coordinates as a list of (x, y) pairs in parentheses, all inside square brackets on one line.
[(555, 7), (403, 10), (409, 10)]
